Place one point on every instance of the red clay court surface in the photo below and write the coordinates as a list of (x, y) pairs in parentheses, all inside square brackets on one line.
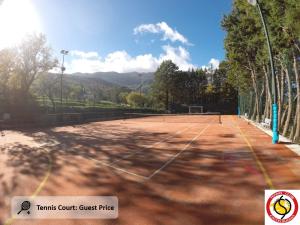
[(162, 172)]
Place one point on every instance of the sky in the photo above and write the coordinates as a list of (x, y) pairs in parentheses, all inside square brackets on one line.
[(121, 35)]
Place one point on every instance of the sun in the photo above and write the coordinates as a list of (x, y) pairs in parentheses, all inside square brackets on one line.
[(17, 19)]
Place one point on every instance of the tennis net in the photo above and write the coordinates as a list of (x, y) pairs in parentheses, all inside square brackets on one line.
[(211, 117)]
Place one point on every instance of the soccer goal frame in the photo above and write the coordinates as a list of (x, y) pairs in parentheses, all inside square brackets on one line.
[(195, 109)]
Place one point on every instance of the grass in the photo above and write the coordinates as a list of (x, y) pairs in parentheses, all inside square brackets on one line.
[(80, 104)]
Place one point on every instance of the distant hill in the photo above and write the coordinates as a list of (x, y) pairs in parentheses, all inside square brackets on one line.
[(130, 80), (85, 80)]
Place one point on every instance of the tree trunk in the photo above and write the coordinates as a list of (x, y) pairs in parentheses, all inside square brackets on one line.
[(256, 105), (297, 46), (254, 112), (293, 129), (250, 107), (297, 115), (52, 102), (167, 99), (261, 97), (283, 116), (289, 113), (278, 99), (266, 109), (281, 98), (268, 92)]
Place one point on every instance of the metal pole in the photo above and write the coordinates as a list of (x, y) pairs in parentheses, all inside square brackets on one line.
[(239, 106), (274, 91), (61, 83), (63, 52), (238, 95)]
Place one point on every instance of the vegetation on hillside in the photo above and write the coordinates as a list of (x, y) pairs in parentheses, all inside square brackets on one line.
[(27, 87)]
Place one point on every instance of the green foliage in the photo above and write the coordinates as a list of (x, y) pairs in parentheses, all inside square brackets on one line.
[(247, 57), (163, 81), (136, 99), (173, 88), (19, 68), (122, 97)]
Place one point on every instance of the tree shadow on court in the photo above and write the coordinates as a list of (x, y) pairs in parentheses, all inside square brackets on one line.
[(60, 148), (215, 181), (199, 187)]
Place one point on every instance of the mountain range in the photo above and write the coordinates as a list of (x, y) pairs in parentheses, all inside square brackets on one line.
[(132, 80)]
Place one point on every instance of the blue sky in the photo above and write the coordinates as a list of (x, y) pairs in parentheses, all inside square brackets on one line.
[(133, 35)]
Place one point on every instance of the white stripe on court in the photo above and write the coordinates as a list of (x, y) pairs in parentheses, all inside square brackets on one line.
[(161, 168), (117, 168), (151, 146), (175, 156)]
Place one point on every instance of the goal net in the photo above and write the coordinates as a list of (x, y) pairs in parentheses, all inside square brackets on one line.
[(195, 109)]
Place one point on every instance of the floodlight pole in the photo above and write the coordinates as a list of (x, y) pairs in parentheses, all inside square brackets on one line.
[(63, 52), (274, 91)]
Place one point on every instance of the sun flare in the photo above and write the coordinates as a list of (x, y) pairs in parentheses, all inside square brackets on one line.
[(17, 19)]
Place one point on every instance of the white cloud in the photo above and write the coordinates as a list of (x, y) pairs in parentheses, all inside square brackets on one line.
[(143, 28), (180, 56), (121, 61), (213, 63), (85, 55), (163, 28)]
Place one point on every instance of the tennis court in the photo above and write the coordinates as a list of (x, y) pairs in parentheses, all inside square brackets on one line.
[(165, 169)]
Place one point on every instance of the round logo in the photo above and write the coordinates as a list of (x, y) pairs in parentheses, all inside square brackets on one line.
[(282, 207)]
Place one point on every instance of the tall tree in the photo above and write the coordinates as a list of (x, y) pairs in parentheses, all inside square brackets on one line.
[(33, 58), (163, 80)]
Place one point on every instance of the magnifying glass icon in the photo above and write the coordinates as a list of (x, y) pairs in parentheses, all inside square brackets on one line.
[(25, 206)]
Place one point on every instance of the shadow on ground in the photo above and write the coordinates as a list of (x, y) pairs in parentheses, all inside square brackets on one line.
[(215, 181)]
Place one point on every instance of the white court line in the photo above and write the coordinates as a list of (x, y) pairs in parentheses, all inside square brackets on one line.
[(151, 146), (175, 156), (117, 168), (156, 143), (158, 170)]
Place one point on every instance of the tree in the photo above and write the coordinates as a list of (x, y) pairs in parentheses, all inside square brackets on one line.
[(47, 85), (163, 78), (19, 68), (122, 97), (248, 65), (7, 64), (136, 99), (33, 58)]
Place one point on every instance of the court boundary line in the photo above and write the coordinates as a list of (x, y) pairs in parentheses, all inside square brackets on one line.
[(116, 168), (181, 114), (151, 146), (156, 143), (178, 153), (260, 165), (40, 187), (159, 169)]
